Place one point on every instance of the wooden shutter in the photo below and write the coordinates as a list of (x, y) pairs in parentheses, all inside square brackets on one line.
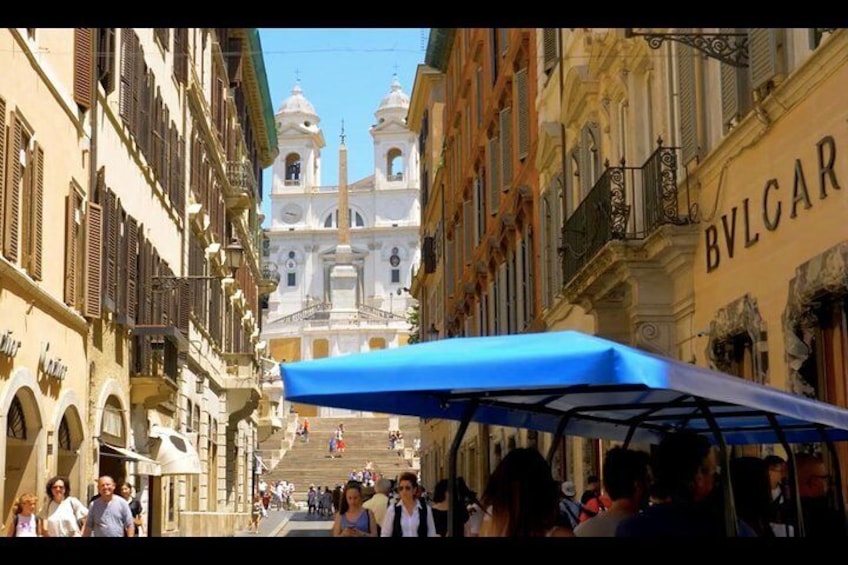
[(37, 213), (83, 66), (180, 188), (686, 98), (143, 280), (506, 147), (93, 260), (2, 164), (127, 75), (106, 59), (503, 40), (523, 118), (184, 297), (131, 237), (549, 47), (494, 187), (429, 255), (110, 240), (121, 266), (140, 110), (71, 245), (478, 88), (763, 58), (13, 191), (468, 230)]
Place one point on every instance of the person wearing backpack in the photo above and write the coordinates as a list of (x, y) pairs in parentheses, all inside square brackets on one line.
[(409, 517), (24, 522), (569, 509)]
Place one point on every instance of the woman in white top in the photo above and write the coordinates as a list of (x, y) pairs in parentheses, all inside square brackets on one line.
[(62, 515), (410, 510)]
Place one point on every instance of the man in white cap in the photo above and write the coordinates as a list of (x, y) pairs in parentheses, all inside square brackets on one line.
[(569, 509)]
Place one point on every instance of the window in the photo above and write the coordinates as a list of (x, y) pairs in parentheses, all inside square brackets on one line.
[(394, 165), (16, 421), (162, 36), (395, 275), (291, 279), (292, 170), (64, 434), (106, 58), (356, 220), (22, 195)]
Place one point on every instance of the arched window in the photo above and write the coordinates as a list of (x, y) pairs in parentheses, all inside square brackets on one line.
[(16, 421), (394, 165), (356, 220), (64, 434), (292, 169)]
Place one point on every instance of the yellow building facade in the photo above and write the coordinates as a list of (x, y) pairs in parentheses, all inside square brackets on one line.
[(162, 134), (718, 172), (44, 370)]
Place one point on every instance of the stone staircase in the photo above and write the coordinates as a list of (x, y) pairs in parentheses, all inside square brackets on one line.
[(366, 439)]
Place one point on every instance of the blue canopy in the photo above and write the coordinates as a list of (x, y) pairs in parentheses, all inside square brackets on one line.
[(561, 381)]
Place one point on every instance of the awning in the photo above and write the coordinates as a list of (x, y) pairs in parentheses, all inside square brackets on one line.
[(146, 466), (175, 453)]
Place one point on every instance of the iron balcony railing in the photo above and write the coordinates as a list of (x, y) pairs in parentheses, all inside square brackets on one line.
[(241, 177), (625, 203)]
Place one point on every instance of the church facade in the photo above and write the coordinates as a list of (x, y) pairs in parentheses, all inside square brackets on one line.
[(341, 291)]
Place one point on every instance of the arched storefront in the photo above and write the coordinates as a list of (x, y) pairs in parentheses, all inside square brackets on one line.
[(22, 445)]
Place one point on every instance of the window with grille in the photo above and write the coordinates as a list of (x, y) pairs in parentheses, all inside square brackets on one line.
[(16, 421), (64, 434)]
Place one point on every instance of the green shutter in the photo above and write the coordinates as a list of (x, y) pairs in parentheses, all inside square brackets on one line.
[(523, 118), (764, 61), (686, 99)]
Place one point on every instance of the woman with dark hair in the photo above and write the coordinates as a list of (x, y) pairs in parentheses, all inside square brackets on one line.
[(522, 498), (441, 504), (410, 517), (352, 519), (63, 514)]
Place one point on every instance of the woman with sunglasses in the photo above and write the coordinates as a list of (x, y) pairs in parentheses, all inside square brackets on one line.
[(62, 515), (410, 517), (352, 519)]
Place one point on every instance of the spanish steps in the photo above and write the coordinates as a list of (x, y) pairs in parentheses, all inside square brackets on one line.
[(366, 439)]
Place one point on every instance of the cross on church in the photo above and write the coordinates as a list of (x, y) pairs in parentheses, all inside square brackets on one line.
[(343, 133), (395, 68), (297, 75)]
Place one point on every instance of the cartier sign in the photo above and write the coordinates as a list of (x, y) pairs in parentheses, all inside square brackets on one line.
[(52, 367), (8, 346), (742, 225)]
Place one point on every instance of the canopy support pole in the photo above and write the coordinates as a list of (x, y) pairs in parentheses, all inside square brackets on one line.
[(730, 525), (563, 422), (837, 474), (454, 451)]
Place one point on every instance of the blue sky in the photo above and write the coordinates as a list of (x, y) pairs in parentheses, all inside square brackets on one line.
[(344, 73)]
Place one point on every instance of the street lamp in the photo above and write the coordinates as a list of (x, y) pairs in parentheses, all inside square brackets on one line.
[(233, 257)]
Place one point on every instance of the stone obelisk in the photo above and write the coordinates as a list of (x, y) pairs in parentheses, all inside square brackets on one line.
[(343, 276)]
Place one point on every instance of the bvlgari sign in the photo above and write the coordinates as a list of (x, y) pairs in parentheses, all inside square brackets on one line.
[(745, 221)]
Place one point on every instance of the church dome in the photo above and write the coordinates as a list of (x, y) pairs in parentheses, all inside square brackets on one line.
[(396, 99), (297, 104)]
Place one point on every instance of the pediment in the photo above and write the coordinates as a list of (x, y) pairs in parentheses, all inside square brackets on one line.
[(391, 126)]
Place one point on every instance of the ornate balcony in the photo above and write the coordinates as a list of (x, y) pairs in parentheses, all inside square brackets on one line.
[(243, 184), (627, 203), (270, 278)]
